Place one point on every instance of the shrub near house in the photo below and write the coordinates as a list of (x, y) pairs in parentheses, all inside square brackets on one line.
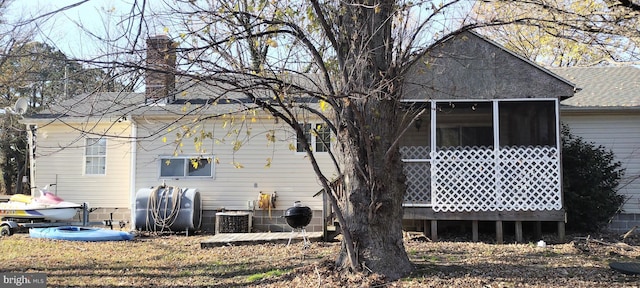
[(590, 178)]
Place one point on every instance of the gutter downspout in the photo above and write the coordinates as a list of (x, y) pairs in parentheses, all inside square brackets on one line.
[(132, 188)]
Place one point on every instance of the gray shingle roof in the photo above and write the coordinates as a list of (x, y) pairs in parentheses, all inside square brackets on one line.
[(191, 99), (112, 105), (93, 105), (602, 87)]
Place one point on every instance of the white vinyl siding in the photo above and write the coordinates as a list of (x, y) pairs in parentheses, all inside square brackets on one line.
[(239, 176), (95, 157), (60, 160), (621, 134)]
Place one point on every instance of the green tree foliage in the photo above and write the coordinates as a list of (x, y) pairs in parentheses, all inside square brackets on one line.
[(12, 140), (13, 149), (44, 74), (590, 180), (562, 33)]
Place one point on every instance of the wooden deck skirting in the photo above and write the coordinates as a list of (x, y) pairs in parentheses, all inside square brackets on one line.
[(431, 216), (427, 214)]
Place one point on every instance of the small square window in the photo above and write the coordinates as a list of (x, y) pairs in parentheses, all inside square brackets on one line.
[(199, 167), (181, 167), (317, 135), (323, 138), (172, 167), (95, 156)]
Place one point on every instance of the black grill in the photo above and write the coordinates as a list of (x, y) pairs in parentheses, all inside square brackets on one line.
[(298, 216)]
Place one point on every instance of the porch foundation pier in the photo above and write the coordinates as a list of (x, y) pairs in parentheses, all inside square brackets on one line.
[(425, 228), (518, 231), (537, 230), (474, 230), (499, 233), (434, 230), (561, 231)]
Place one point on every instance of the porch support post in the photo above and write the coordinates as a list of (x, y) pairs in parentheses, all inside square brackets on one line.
[(425, 228), (519, 231), (538, 230), (499, 233), (434, 230), (474, 230), (561, 234)]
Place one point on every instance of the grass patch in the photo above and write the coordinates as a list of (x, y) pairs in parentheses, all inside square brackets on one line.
[(260, 276)]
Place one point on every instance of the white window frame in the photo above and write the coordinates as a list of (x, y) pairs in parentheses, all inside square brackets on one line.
[(186, 165), (314, 138), (92, 154)]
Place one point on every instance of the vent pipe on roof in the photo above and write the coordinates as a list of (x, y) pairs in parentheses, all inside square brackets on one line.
[(161, 68)]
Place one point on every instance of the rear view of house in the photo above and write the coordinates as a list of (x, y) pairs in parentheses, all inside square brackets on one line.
[(485, 147)]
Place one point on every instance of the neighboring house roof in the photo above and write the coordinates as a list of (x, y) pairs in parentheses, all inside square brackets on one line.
[(612, 88)]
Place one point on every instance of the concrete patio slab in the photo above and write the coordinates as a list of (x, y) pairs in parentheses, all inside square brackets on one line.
[(224, 239)]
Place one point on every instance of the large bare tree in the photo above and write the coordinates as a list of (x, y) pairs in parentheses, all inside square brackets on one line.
[(340, 61), (357, 53)]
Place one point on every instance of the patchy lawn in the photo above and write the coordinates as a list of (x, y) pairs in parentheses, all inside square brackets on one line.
[(178, 261)]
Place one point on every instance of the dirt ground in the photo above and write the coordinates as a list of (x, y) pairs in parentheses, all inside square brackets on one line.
[(581, 262), (178, 261)]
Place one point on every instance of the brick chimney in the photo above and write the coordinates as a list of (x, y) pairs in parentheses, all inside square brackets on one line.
[(161, 66)]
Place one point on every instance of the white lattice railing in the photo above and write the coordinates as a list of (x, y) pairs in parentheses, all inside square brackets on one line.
[(417, 168), (482, 179)]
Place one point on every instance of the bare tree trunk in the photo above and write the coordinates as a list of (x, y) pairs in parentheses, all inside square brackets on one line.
[(367, 128), (375, 188)]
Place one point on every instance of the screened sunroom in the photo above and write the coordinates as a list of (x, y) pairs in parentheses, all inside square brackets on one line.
[(487, 146), (484, 155)]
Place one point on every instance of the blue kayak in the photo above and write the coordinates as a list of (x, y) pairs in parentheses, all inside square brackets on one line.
[(76, 233)]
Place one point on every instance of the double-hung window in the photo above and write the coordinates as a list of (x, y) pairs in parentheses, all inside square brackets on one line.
[(317, 135), (95, 156), (186, 167)]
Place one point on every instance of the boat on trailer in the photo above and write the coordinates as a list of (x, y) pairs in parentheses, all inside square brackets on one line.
[(47, 210), (46, 207), (51, 216)]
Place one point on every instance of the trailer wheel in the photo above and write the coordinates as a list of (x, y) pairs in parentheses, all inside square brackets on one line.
[(5, 230)]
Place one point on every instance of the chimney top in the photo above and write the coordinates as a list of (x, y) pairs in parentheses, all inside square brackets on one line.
[(161, 66)]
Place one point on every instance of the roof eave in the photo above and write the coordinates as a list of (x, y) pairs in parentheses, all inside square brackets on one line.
[(598, 109)]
